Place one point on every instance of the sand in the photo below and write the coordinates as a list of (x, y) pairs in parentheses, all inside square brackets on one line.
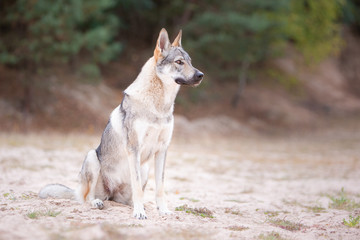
[(298, 186)]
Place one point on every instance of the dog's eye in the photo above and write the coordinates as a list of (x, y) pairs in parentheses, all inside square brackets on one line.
[(179, 62)]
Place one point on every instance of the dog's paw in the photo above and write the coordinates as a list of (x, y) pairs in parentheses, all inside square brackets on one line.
[(162, 207), (140, 216), (164, 212), (139, 212), (97, 203)]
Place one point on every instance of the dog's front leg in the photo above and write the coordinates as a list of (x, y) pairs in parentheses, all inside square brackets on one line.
[(137, 192), (160, 160)]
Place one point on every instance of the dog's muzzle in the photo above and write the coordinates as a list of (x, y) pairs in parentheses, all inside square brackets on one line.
[(194, 81)]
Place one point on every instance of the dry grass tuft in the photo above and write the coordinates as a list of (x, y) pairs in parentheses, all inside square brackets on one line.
[(203, 212), (287, 225), (237, 228)]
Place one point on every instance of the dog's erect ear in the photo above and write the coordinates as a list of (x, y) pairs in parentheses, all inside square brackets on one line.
[(162, 44), (177, 41)]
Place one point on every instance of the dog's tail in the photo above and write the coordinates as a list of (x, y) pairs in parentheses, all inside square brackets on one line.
[(57, 191)]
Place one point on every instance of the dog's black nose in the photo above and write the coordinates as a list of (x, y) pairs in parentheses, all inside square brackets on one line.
[(199, 75)]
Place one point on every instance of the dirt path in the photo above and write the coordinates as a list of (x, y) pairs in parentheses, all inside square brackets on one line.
[(250, 187)]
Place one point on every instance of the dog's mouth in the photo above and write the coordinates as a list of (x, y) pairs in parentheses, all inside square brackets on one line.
[(194, 81), (183, 82)]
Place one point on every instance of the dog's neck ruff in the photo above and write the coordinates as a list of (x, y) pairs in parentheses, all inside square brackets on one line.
[(157, 95)]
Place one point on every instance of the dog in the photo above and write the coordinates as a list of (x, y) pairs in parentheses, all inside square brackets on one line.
[(139, 131)]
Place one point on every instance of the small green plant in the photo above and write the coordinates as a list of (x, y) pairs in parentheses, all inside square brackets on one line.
[(352, 222), (271, 236), (9, 196), (51, 213), (47, 213), (271, 213), (26, 196), (342, 201), (202, 212), (286, 224), (32, 215)]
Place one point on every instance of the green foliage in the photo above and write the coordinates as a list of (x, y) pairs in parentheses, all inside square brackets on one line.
[(230, 33), (351, 13), (39, 32), (251, 31), (32, 215), (352, 222), (227, 37), (342, 201), (313, 26), (9, 196)]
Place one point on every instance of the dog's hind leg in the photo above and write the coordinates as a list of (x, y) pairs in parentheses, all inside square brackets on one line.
[(89, 176)]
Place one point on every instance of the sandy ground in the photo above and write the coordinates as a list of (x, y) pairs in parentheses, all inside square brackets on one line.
[(257, 187)]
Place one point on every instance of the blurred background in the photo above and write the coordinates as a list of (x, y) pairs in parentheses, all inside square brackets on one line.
[(281, 64)]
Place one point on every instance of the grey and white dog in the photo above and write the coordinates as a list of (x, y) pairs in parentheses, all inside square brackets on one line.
[(139, 130)]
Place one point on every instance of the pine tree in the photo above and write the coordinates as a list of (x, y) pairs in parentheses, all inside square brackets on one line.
[(38, 32), (233, 35)]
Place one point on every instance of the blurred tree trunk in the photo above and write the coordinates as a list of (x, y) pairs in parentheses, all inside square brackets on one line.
[(26, 102), (241, 83), (187, 13)]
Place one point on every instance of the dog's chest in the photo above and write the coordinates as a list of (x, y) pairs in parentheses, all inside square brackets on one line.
[(153, 137)]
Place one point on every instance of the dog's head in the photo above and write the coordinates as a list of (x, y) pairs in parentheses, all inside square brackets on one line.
[(173, 64)]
